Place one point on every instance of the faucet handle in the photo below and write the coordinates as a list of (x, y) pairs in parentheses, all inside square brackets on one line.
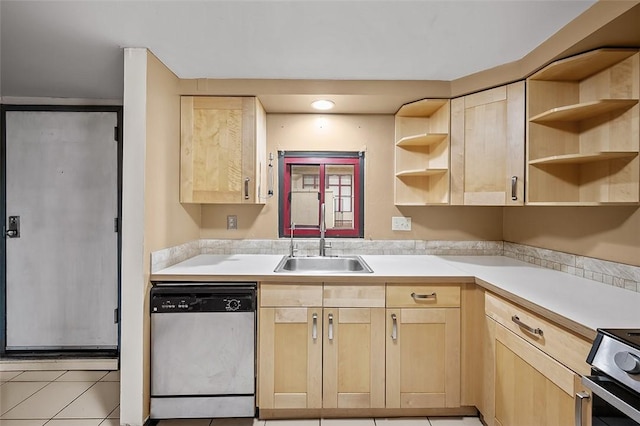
[(293, 246)]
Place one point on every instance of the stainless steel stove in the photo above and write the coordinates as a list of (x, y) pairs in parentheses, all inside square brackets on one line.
[(615, 379)]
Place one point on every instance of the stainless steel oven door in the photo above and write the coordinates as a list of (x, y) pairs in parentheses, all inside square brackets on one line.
[(612, 404)]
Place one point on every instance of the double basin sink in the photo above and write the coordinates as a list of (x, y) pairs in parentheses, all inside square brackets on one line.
[(323, 265)]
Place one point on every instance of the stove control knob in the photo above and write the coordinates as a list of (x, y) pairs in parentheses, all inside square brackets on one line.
[(627, 362)]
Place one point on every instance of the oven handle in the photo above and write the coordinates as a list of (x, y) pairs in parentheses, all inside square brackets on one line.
[(591, 383), (581, 398)]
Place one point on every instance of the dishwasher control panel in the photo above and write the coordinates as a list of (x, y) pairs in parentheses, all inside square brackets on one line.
[(213, 299)]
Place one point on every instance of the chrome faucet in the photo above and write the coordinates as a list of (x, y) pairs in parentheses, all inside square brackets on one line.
[(292, 246), (323, 228)]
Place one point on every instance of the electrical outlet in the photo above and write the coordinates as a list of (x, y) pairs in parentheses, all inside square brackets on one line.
[(232, 222), (400, 223)]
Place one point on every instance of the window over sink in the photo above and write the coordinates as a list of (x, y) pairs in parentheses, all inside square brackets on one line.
[(311, 180)]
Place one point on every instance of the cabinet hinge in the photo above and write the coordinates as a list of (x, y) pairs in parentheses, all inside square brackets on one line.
[(116, 317), (116, 134), (116, 224)]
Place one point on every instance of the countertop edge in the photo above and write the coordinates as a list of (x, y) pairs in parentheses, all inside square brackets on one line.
[(555, 317), (292, 278)]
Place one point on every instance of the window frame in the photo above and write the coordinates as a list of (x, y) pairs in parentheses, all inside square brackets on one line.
[(320, 158)]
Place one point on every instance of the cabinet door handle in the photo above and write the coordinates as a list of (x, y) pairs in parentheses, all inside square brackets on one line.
[(330, 332), (581, 398), (246, 188), (514, 188), (394, 327), (314, 327), (536, 331), (416, 296)]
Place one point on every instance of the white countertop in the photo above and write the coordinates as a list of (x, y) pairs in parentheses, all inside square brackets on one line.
[(262, 266), (559, 295), (588, 303)]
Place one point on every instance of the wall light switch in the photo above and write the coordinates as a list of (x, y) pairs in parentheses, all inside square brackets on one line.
[(232, 222), (399, 223)]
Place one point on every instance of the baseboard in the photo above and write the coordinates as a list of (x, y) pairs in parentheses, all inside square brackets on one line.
[(16, 364)]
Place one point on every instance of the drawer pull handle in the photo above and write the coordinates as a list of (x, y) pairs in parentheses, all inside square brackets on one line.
[(416, 296), (394, 327), (246, 188), (314, 327), (330, 332), (536, 331)]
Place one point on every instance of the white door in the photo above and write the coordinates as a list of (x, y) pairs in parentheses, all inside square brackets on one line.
[(62, 270)]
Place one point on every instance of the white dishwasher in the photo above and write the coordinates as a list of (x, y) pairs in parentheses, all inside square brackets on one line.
[(203, 350)]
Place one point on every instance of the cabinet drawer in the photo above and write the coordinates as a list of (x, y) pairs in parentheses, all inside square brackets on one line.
[(561, 344), (423, 295), (351, 295), (285, 295), (512, 353)]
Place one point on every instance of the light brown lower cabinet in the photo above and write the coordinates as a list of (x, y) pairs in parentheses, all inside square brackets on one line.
[(524, 386), (423, 357), (423, 345), (353, 358), (399, 346), (359, 348), (290, 369), (290, 346), (531, 387), (312, 357)]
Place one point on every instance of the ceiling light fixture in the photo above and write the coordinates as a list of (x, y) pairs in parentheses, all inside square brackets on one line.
[(322, 104)]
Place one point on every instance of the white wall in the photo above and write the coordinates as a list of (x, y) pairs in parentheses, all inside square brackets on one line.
[(133, 408)]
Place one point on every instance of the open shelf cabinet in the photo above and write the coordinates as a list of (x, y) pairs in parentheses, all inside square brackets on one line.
[(422, 153), (583, 130)]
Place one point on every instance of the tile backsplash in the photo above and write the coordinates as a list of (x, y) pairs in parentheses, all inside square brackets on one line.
[(606, 272)]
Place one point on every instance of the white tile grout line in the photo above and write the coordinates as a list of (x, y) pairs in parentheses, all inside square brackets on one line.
[(117, 406), (71, 402), (11, 408)]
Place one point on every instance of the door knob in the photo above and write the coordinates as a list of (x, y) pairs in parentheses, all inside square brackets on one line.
[(13, 229)]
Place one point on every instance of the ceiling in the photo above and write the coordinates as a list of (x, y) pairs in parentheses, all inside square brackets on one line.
[(73, 49)]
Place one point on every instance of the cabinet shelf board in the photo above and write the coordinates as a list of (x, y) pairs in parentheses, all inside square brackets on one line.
[(424, 139), (423, 108), (421, 172), (583, 158), (579, 67), (582, 111)]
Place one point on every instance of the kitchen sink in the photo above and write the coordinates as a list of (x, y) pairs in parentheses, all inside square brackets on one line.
[(323, 265)]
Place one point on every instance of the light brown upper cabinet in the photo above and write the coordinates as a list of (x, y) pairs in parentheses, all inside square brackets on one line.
[(583, 130), (487, 147), (223, 149), (422, 153)]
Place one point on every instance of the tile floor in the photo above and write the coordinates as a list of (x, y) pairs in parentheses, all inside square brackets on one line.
[(92, 398), (59, 398)]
